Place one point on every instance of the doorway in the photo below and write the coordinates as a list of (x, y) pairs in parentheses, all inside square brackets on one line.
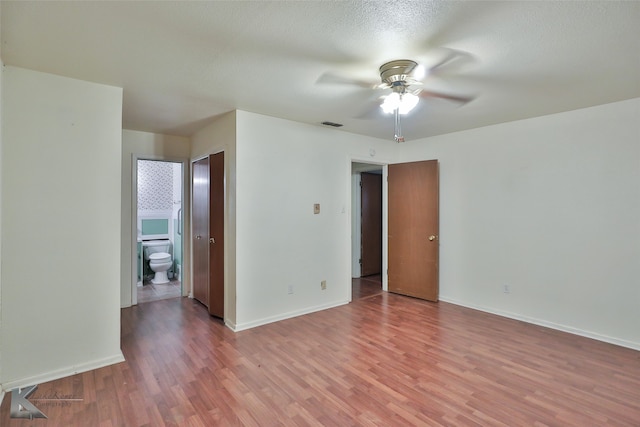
[(410, 222), (367, 230), (158, 194)]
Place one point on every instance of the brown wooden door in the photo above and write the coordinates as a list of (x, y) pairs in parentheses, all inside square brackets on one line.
[(200, 227), (413, 229), (216, 235), (371, 224)]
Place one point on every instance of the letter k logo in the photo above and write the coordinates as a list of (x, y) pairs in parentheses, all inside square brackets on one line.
[(21, 407)]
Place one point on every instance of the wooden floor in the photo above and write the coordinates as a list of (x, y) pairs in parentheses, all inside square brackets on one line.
[(365, 287), (383, 360)]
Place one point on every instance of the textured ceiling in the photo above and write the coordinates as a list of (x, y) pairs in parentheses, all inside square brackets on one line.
[(182, 63)]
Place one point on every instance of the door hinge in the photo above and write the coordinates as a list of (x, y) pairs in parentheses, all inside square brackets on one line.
[(360, 261), (360, 184)]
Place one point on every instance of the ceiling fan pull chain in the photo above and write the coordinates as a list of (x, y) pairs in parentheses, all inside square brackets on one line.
[(398, 130)]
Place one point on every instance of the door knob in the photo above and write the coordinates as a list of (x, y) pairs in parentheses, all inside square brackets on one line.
[(432, 238), (198, 237), (212, 240)]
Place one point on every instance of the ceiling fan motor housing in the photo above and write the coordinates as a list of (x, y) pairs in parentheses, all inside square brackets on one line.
[(398, 72)]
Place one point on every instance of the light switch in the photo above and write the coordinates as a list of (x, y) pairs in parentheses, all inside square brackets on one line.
[(316, 208)]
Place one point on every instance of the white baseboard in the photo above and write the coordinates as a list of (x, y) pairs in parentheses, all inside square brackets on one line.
[(564, 328), (284, 316), (230, 325), (64, 372)]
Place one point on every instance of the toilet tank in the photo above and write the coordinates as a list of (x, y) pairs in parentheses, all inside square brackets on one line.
[(155, 246)]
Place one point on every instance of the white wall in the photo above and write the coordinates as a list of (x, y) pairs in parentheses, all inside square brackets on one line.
[(283, 168), (551, 207), (220, 136), (60, 195), (147, 146)]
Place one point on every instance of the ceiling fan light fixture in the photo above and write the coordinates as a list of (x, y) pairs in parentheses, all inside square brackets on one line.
[(390, 103), (404, 102), (408, 101)]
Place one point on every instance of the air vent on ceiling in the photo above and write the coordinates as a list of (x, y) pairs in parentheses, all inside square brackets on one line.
[(332, 124)]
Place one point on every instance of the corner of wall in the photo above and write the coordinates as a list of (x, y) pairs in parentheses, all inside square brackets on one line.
[(221, 135), (1, 127), (285, 167)]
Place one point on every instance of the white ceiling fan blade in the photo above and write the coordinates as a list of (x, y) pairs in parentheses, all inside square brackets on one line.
[(330, 78), (462, 99), (371, 109), (450, 56)]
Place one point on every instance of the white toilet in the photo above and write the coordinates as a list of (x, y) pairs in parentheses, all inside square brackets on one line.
[(158, 253)]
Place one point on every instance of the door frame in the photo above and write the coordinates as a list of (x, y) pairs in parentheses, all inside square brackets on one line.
[(354, 193), (186, 213)]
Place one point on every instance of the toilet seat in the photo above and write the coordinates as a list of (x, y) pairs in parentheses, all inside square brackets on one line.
[(159, 257)]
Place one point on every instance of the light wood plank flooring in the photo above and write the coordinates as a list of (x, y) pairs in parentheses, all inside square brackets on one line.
[(365, 287), (385, 360)]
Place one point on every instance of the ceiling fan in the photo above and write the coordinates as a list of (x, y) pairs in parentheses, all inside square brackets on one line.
[(404, 78)]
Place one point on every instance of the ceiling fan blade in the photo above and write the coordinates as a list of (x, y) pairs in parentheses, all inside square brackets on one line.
[(450, 56), (462, 99), (371, 109), (330, 78)]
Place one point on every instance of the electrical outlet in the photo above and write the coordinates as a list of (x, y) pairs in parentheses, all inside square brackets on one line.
[(506, 289), (290, 289), (323, 285)]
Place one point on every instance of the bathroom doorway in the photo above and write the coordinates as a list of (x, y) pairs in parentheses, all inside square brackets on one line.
[(367, 224), (158, 212)]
